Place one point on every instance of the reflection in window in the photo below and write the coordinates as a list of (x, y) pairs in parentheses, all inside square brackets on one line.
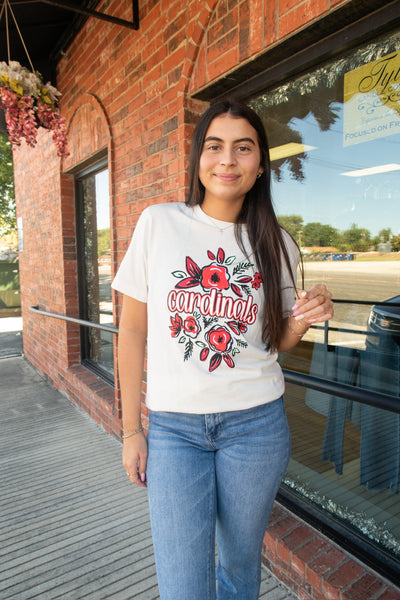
[(334, 135), (96, 304)]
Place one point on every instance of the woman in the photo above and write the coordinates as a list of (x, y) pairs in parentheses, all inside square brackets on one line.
[(211, 285)]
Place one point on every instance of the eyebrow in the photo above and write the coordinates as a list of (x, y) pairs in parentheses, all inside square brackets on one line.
[(217, 139)]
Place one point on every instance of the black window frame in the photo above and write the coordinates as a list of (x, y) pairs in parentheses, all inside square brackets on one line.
[(93, 166)]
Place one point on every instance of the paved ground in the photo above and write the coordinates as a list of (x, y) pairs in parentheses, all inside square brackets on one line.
[(71, 524), (10, 336)]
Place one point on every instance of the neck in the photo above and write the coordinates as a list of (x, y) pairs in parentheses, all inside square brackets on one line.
[(223, 211)]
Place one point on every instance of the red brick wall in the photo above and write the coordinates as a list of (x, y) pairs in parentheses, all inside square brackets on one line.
[(130, 92), (313, 567), (238, 32), (42, 267)]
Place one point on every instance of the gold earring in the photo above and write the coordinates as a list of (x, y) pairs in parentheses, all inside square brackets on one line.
[(259, 175)]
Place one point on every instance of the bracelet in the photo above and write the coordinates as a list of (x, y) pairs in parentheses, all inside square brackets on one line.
[(128, 435), (299, 335)]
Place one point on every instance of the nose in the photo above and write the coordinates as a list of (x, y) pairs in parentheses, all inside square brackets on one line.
[(228, 157)]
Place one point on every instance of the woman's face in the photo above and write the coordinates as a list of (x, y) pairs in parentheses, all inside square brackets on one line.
[(230, 160)]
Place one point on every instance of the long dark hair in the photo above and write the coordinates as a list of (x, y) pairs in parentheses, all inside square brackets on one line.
[(257, 213)]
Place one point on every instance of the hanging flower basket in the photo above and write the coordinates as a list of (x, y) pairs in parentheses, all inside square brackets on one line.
[(28, 104)]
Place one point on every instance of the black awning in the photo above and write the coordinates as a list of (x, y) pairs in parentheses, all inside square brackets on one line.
[(47, 28)]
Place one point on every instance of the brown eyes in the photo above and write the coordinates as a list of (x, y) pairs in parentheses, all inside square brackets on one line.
[(218, 148)]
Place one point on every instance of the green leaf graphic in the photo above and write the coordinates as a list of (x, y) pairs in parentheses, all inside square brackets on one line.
[(241, 343), (188, 350), (201, 344), (179, 274), (242, 266), (230, 260)]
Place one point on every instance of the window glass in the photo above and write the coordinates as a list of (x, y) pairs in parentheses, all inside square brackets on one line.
[(334, 135), (97, 304)]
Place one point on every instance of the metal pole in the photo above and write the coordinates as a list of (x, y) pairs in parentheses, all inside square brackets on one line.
[(98, 15)]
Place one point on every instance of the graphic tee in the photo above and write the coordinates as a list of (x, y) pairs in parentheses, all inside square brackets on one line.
[(205, 300)]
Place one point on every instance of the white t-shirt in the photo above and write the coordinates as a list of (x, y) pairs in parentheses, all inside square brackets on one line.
[(205, 353)]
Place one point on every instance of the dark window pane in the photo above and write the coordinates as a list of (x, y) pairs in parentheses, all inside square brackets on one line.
[(97, 305)]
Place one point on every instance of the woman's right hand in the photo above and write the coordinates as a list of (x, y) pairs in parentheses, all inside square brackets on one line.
[(134, 458)]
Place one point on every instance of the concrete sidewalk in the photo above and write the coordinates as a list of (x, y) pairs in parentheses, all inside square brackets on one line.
[(10, 336), (72, 526)]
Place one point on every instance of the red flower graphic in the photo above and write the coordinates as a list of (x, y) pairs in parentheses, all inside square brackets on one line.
[(176, 325), (204, 353), (257, 281), (191, 327), (219, 335), (237, 327), (228, 361), (219, 339), (215, 276), (237, 290), (194, 272), (215, 361)]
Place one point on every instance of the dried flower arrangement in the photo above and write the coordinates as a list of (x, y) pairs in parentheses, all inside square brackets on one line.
[(28, 104)]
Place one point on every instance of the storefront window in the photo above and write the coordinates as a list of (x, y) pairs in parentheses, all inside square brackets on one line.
[(334, 135), (95, 256)]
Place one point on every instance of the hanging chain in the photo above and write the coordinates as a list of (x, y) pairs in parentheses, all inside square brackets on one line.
[(8, 39), (5, 8)]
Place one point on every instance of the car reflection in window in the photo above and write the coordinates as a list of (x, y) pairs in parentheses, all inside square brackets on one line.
[(384, 326)]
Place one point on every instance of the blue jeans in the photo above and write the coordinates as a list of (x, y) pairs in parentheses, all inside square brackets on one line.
[(210, 476)]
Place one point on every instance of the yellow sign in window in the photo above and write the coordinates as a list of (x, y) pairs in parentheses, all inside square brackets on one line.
[(372, 100)]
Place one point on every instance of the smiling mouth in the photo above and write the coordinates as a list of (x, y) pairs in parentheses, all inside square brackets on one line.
[(227, 176)]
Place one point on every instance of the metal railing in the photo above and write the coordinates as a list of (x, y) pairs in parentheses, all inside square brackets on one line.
[(356, 394), (343, 390), (83, 322)]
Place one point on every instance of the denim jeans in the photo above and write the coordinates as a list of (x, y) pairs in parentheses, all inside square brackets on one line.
[(213, 476)]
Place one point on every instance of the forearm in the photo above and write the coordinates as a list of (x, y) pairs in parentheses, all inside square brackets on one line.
[(131, 353), (131, 350), (293, 332)]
